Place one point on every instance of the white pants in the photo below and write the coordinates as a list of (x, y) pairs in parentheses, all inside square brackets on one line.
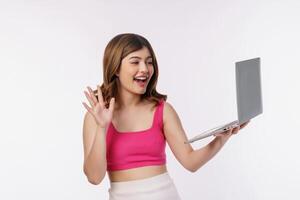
[(159, 187)]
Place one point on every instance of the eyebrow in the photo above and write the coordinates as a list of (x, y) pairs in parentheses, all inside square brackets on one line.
[(140, 57)]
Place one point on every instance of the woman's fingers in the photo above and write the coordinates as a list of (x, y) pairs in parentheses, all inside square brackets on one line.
[(232, 130), (92, 95), (235, 130), (112, 104), (244, 124), (89, 99), (87, 107), (100, 97)]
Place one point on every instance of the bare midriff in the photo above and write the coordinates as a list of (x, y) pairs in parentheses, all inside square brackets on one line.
[(136, 173)]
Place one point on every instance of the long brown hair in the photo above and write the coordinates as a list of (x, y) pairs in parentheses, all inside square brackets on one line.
[(118, 48)]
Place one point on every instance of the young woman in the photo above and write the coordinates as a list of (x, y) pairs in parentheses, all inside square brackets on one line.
[(128, 123)]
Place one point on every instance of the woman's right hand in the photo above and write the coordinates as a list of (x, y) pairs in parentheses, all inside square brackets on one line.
[(101, 114)]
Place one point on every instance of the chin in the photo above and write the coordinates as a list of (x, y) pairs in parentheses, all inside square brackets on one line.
[(140, 91)]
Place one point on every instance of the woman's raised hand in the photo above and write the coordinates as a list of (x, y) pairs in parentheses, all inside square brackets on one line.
[(101, 114)]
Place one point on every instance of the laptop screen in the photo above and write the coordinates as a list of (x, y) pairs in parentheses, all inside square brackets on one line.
[(248, 88)]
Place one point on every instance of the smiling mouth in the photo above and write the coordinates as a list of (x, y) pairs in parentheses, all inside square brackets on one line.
[(141, 79)]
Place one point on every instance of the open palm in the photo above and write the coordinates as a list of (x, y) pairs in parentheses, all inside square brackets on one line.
[(101, 114)]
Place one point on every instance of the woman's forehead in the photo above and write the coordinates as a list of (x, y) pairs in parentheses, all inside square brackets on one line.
[(141, 53)]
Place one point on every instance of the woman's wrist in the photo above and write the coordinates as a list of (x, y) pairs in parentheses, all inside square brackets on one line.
[(101, 129)]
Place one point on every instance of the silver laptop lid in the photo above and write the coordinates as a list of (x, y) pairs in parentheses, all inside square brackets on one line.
[(248, 88)]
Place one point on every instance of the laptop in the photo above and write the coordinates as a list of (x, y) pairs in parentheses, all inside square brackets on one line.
[(248, 95)]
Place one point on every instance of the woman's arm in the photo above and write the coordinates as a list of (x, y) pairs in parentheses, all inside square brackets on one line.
[(95, 124), (94, 142), (189, 158), (199, 157)]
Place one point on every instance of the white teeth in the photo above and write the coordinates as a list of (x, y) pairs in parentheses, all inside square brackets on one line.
[(141, 78)]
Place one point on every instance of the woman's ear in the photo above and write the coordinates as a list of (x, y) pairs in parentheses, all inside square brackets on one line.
[(117, 73)]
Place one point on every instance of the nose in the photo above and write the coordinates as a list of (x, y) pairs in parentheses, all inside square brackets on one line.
[(144, 67)]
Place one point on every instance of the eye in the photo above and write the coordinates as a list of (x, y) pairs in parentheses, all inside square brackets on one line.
[(135, 63), (150, 63)]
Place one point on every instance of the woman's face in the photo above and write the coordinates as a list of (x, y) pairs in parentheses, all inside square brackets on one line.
[(136, 71)]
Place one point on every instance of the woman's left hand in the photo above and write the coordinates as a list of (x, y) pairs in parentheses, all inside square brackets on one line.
[(226, 134)]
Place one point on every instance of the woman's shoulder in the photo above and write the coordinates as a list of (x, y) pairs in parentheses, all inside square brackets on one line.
[(169, 111)]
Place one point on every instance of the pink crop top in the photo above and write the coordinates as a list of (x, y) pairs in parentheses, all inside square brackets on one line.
[(125, 150)]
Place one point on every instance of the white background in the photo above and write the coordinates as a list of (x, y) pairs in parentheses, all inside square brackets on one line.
[(51, 50)]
